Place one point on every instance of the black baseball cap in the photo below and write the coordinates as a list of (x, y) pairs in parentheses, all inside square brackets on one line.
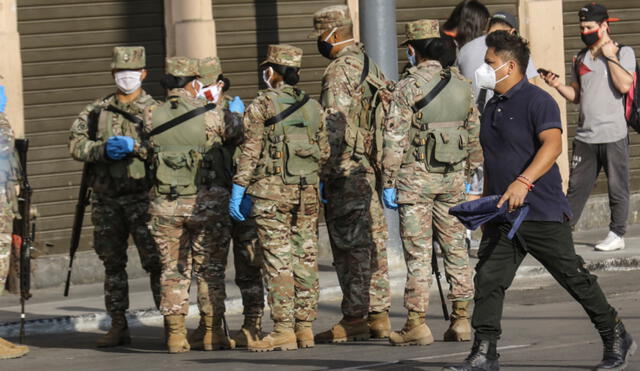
[(594, 12), (505, 17)]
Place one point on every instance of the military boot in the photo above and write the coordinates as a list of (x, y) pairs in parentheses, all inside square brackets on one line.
[(304, 334), (251, 331), (176, 334), (282, 338), (348, 329), (9, 350), (379, 325), (414, 332), (483, 357), (196, 336), (460, 329), (118, 334), (219, 338), (618, 348)]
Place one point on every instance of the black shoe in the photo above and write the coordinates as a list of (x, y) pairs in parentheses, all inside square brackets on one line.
[(618, 348), (483, 357)]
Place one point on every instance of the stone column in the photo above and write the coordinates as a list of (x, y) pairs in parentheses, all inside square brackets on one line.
[(541, 23), (11, 65), (190, 28), (354, 9)]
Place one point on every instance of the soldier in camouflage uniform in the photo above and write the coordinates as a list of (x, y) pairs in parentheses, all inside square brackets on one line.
[(189, 220), (8, 201), (426, 157), (120, 187), (354, 214), (244, 234), (280, 163)]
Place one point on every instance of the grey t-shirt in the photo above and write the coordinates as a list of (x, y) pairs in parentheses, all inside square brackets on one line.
[(471, 57), (602, 117)]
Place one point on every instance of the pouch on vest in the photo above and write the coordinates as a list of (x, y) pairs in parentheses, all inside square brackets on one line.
[(446, 148), (176, 172)]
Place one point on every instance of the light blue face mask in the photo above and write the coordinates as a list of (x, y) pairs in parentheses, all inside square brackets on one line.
[(412, 58)]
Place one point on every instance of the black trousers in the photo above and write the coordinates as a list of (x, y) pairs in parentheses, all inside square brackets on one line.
[(551, 244), (587, 161)]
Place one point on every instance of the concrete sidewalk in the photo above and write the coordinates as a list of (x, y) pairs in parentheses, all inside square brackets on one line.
[(49, 312)]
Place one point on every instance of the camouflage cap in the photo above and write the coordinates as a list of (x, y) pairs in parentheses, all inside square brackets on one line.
[(284, 55), (421, 29), (182, 66), (209, 69), (128, 58), (329, 18)]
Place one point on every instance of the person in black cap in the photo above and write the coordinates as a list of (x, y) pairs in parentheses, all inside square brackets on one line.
[(603, 73)]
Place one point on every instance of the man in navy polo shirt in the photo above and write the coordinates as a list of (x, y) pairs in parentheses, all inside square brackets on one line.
[(521, 136)]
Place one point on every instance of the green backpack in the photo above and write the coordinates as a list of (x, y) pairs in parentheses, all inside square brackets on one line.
[(290, 144)]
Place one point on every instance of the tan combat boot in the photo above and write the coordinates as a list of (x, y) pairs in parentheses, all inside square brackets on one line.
[(250, 332), (348, 329), (379, 325), (282, 338), (460, 329), (176, 334), (196, 336), (414, 332), (304, 334), (9, 350), (219, 338), (118, 334)]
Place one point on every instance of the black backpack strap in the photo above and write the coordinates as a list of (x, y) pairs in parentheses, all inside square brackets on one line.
[(287, 112), (365, 69), (422, 103), (180, 119), (576, 64), (482, 100), (136, 120)]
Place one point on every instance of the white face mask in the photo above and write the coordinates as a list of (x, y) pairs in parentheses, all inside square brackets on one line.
[(411, 58), (128, 81), (486, 76), (211, 93), (266, 77)]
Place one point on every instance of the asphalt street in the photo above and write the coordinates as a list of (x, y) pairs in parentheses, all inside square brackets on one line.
[(543, 330)]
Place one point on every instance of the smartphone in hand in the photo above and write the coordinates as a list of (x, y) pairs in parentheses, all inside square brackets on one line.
[(546, 72)]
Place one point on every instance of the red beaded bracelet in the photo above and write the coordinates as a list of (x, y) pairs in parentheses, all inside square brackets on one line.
[(529, 185)]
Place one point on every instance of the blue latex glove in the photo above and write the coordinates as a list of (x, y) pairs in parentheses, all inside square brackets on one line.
[(246, 205), (322, 199), (236, 105), (467, 187), (237, 193), (389, 196), (3, 99), (119, 146)]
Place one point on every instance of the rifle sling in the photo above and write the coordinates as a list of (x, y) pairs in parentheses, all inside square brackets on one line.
[(127, 115), (422, 103), (287, 112), (365, 69), (180, 119)]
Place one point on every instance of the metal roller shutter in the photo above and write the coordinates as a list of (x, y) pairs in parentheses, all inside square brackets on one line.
[(66, 53), (625, 32), (245, 28), (411, 10)]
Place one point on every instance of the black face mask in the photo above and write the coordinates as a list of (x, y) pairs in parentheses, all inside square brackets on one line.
[(324, 47), (590, 38)]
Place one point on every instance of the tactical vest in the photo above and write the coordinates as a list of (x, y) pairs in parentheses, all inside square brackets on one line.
[(290, 146), (438, 134), (363, 134), (182, 159)]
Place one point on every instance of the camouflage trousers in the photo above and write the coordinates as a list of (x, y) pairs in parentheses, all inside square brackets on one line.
[(6, 230), (114, 220), (357, 232), (247, 259), (193, 236), (288, 235), (420, 221)]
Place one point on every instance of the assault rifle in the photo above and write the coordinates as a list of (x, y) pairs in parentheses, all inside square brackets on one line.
[(24, 228), (436, 272), (84, 197)]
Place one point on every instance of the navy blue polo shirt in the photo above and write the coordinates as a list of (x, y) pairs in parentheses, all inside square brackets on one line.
[(509, 136)]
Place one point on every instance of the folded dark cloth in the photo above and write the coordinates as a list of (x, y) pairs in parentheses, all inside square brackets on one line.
[(473, 214)]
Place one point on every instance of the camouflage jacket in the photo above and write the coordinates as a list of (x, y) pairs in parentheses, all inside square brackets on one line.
[(9, 168), (84, 149), (398, 124), (339, 85), (270, 187)]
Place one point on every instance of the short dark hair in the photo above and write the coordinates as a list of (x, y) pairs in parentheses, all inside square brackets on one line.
[(510, 46), (290, 74), (441, 49), (470, 19)]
